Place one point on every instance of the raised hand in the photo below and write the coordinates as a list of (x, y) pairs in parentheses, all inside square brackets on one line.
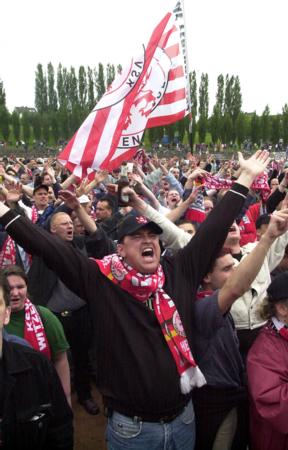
[(100, 176), (278, 224), (69, 198), (14, 194), (256, 164), (252, 167)]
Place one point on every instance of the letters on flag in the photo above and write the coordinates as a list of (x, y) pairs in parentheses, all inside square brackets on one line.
[(151, 91)]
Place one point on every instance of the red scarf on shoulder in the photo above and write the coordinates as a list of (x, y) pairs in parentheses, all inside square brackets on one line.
[(142, 287)]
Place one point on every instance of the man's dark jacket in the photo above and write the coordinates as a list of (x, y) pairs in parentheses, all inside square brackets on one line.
[(35, 413)]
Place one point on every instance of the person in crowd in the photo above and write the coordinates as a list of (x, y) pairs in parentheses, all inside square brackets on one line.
[(37, 325), (104, 209), (34, 411), (143, 316), (173, 199), (225, 388), (267, 369), (70, 309), (187, 226), (208, 205), (219, 358), (245, 310)]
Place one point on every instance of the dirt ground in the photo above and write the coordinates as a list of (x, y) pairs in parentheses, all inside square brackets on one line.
[(89, 430)]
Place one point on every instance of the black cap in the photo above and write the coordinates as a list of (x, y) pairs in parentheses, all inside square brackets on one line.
[(133, 223), (278, 289), (40, 186)]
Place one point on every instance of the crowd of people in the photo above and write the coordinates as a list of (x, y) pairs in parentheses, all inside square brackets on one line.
[(164, 280)]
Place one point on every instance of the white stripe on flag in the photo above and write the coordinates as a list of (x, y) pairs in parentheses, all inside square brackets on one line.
[(81, 139)]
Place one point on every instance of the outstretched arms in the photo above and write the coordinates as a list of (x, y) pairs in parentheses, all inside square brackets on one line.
[(243, 276)]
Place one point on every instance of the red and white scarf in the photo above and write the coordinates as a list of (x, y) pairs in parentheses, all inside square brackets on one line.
[(280, 327), (34, 214), (34, 331), (8, 253), (142, 287)]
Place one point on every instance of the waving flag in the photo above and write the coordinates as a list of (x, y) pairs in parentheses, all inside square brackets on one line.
[(152, 91)]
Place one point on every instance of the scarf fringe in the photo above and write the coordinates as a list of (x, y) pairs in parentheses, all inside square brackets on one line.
[(192, 377)]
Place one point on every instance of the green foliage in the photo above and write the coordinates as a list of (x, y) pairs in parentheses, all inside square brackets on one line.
[(203, 109), (2, 95), (100, 82), (255, 129), (110, 74), (285, 123), (275, 129), (266, 124), (41, 94), (15, 121), (36, 122), (4, 122), (52, 95), (219, 105), (193, 93), (91, 95), (82, 83), (26, 126)]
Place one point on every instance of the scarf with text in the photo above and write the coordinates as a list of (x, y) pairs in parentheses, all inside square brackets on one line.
[(279, 327), (34, 331), (142, 287)]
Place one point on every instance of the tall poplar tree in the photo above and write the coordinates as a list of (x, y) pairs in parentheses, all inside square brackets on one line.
[(91, 93), (110, 74), (285, 123), (41, 94), (52, 95), (82, 86), (203, 109), (219, 105), (266, 124), (15, 121), (61, 87), (100, 81)]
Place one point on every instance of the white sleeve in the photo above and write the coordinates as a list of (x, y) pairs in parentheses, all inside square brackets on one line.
[(172, 236)]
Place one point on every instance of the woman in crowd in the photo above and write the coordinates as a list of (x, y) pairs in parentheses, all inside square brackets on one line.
[(267, 367)]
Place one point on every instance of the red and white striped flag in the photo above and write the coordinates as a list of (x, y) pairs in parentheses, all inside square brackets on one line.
[(152, 91)]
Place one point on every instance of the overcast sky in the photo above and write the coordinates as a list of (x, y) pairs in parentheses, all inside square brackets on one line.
[(246, 38)]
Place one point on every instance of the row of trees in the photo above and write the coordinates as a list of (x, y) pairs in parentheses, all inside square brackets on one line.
[(64, 97)]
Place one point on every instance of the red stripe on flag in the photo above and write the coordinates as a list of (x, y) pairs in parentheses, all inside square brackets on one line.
[(174, 96), (166, 36), (178, 72), (165, 120), (94, 137), (172, 51), (65, 153), (124, 157)]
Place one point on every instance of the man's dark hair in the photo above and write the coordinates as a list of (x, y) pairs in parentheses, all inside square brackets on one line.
[(7, 272), (109, 200), (224, 251), (264, 219)]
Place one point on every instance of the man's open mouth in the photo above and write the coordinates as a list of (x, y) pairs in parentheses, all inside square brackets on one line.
[(148, 252)]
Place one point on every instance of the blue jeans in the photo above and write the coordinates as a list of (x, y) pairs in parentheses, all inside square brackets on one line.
[(127, 433)]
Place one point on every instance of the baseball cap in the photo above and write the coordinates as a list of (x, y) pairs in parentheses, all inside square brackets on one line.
[(278, 289), (40, 186), (133, 223)]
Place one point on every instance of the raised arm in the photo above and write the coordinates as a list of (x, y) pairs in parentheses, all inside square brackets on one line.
[(63, 258), (72, 202), (198, 256), (244, 274)]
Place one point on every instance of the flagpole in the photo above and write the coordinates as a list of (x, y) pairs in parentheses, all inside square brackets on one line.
[(183, 37)]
